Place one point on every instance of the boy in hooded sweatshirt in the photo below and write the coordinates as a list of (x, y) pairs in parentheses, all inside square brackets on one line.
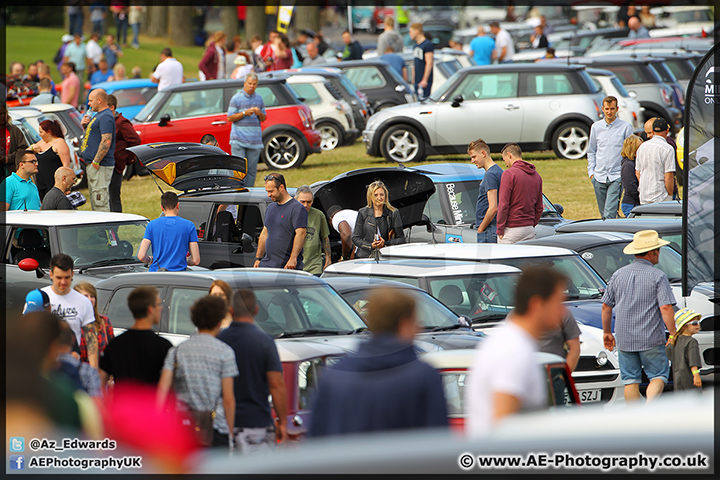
[(520, 202)]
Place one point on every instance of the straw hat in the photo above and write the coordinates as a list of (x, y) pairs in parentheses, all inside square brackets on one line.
[(240, 60), (684, 316), (644, 241)]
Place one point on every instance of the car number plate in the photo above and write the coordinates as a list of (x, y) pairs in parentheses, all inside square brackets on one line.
[(589, 396)]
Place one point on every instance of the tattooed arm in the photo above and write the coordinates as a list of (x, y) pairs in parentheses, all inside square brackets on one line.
[(88, 332), (103, 148), (328, 253)]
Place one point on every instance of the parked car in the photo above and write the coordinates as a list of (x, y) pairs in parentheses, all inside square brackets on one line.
[(132, 95), (680, 63), (688, 19), (461, 56), (33, 117), (448, 214), (539, 106), (310, 321), (187, 111), (629, 108), (670, 208), (101, 244), (669, 229), (333, 115), (350, 93), (439, 34), (444, 65), (484, 293), (382, 85), (638, 75)]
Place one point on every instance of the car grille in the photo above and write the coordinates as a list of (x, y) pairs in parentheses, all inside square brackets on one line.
[(589, 364), (596, 378)]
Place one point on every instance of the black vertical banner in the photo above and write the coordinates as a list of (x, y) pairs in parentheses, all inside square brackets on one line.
[(702, 175)]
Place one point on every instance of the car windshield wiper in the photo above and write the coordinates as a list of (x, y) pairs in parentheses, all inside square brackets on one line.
[(443, 328), (107, 262), (578, 296), (489, 318), (675, 279), (307, 332), (357, 330)]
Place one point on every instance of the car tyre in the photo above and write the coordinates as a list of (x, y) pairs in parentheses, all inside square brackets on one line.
[(284, 150), (570, 140), (331, 136), (402, 144)]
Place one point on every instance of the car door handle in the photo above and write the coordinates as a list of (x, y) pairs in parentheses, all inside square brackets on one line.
[(511, 107), (218, 122)]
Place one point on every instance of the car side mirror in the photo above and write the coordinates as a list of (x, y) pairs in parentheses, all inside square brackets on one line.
[(164, 120), (302, 99), (457, 101), (424, 220), (464, 321), (632, 94), (248, 246), (30, 264), (559, 208)]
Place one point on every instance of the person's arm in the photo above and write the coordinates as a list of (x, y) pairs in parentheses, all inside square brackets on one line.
[(573, 354), (260, 113), (142, 251), (328, 253), (103, 148), (68, 92), (278, 392), (491, 211), (592, 150), (502, 212), (504, 405), (358, 231), (637, 175), (261, 247), (194, 258), (128, 133), (298, 244), (166, 380), (104, 377), (405, 73), (608, 338), (670, 182), (63, 152), (228, 400), (428, 69), (154, 79), (88, 332), (346, 234), (693, 359), (668, 316), (539, 206), (206, 60), (397, 227)]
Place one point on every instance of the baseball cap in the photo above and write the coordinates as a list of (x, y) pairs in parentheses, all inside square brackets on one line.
[(36, 301), (660, 125), (67, 38)]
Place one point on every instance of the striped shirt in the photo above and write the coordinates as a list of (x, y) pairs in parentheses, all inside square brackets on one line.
[(653, 160), (247, 131), (637, 291), (606, 141)]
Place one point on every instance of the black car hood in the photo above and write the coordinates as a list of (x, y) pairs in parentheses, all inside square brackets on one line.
[(192, 166), (408, 191)]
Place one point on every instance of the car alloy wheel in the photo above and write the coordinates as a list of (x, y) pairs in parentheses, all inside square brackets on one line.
[(402, 144), (571, 141), (330, 136), (283, 151)]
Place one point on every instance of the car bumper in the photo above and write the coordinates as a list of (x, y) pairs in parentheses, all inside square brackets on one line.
[(371, 145), (313, 140), (351, 134)]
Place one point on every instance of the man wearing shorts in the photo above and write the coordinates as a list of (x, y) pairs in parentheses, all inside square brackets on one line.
[(644, 301)]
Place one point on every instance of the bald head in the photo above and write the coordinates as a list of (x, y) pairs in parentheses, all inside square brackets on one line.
[(481, 31), (98, 100), (633, 23), (64, 179), (648, 127)]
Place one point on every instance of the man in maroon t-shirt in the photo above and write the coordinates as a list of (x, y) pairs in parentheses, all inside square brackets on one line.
[(125, 136), (520, 203)]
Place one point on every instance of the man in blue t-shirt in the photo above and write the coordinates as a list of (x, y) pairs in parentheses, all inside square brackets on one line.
[(246, 112), (20, 191), (283, 237), (102, 74), (395, 61), (98, 149), (171, 238), (423, 61), (487, 202), (481, 47)]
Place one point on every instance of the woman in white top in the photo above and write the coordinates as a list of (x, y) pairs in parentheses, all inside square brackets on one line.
[(243, 68)]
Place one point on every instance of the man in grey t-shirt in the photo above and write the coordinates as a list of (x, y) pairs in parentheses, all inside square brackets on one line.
[(389, 38), (554, 341), (55, 198)]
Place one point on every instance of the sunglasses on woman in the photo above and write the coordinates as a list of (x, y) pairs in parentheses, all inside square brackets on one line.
[(694, 323)]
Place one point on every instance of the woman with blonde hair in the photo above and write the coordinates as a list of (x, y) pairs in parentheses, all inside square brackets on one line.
[(119, 72), (212, 64), (628, 178), (378, 224), (103, 327), (220, 288)]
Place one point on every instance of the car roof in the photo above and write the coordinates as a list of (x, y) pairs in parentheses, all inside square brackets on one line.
[(662, 225), (407, 267), (669, 208), (54, 107), (471, 251), (611, 60), (27, 112), (67, 217), (263, 79), (600, 72), (524, 67), (123, 84), (302, 77), (249, 195), (462, 358), (581, 240), (356, 282), (361, 63), (235, 277), (322, 71)]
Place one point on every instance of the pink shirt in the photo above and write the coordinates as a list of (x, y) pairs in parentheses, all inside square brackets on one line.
[(71, 82)]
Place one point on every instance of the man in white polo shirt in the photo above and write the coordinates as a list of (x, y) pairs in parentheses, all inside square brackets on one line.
[(168, 72), (655, 166)]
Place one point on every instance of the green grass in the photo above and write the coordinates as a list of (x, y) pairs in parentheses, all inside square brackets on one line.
[(564, 181), (28, 44)]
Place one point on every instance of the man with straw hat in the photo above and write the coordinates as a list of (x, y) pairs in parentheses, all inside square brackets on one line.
[(644, 301)]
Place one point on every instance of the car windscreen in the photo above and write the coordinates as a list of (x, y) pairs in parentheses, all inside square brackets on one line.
[(349, 87), (480, 297), (150, 107), (27, 129), (300, 310), (619, 86), (665, 74), (102, 244), (134, 96), (449, 67), (584, 284), (633, 74), (680, 67), (447, 85), (592, 86), (606, 259), (430, 312)]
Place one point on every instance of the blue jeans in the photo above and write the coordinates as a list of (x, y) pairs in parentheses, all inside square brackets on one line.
[(488, 236), (608, 197), (136, 33), (653, 361), (626, 208), (252, 155), (122, 26), (76, 23), (99, 27)]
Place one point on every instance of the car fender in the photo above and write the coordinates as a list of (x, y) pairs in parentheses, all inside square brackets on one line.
[(401, 120), (568, 117), (283, 128), (335, 122)]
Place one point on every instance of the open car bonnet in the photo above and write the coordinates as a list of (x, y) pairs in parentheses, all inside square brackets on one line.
[(192, 166), (407, 191)]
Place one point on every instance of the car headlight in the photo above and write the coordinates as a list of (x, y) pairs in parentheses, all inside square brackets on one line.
[(601, 358)]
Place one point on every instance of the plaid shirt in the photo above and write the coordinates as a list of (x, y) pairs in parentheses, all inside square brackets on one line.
[(103, 338), (637, 291), (89, 377), (77, 199)]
